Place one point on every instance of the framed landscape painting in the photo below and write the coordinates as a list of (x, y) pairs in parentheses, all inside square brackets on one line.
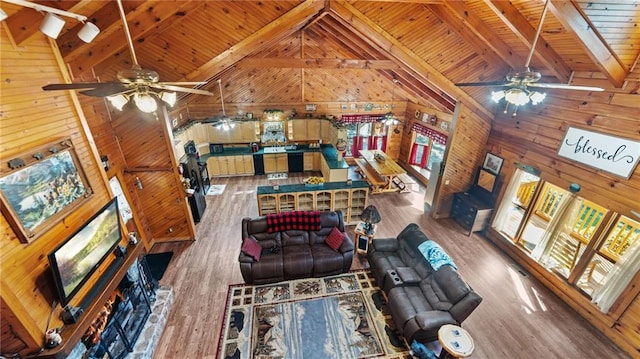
[(39, 188)]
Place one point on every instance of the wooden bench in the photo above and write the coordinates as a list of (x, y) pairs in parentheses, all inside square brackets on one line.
[(369, 174)]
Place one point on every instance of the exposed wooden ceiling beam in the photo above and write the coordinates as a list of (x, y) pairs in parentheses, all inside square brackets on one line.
[(476, 26), (527, 33), (282, 27), (403, 55), (328, 64), (597, 49), (143, 20)]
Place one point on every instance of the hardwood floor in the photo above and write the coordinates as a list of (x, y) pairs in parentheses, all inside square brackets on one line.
[(518, 318)]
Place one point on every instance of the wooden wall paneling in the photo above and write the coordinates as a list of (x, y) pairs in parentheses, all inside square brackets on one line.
[(533, 138), (27, 287), (465, 152)]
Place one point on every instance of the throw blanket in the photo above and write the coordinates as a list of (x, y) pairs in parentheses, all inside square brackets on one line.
[(436, 256), (294, 220)]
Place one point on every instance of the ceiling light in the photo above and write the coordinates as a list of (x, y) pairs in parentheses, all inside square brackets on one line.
[(168, 97), (145, 102), (118, 101), (52, 25), (88, 32), (518, 96)]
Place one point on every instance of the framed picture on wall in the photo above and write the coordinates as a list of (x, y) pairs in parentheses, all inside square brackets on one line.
[(40, 187), (492, 163)]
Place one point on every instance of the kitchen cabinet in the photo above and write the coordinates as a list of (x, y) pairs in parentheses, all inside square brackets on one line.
[(230, 165), (276, 163), (312, 161), (350, 200)]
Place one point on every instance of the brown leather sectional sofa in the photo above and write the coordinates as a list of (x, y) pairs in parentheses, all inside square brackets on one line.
[(420, 299), (295, 254)]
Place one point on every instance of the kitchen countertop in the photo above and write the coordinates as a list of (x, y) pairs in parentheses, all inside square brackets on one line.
[(328, 151), (302, 188)]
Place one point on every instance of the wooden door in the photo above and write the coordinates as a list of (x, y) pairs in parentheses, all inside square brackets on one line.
[(313, 129), (248, 164)]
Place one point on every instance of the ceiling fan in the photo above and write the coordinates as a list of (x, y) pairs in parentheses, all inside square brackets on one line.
[(137, 84), (516, 87), (223, 122)]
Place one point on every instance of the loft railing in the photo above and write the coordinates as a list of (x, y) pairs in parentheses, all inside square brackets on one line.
[(525, 193), (624, 234)]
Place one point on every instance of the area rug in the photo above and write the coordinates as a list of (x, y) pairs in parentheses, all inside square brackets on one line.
[(216, 189), (158, 263), (275, 176), (340, 317)]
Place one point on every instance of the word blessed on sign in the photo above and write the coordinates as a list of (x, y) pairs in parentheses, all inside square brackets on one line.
[(612, 154)]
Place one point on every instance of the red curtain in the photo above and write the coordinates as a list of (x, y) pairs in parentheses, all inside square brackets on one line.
[(384, 143), (425, 156), (414, 152), (436, 136), (354, 147)]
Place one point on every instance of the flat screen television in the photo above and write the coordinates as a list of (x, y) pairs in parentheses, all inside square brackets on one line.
[(77, 258)]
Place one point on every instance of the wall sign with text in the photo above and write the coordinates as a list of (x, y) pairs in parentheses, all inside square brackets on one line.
[(609, 153)]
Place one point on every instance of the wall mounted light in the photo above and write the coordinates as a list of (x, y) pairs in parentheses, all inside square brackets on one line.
[(139, 183), (52, 23)]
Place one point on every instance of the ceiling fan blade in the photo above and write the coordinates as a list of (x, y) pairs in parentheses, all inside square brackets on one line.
[(109, 89), (183, 83), (164, 86), (488, 83), (72, 86), (566, 87)]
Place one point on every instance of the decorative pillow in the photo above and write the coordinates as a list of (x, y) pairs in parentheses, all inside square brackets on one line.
[(252, 248), (334, 239)]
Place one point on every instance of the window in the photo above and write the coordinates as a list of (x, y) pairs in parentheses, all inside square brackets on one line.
[(575, 238), (425, 152), (365, 136)]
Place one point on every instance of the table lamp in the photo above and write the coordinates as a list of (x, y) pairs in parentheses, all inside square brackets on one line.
[(370, 216)]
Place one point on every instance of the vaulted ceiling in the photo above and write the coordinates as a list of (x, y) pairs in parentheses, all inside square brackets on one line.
[(280, 52)]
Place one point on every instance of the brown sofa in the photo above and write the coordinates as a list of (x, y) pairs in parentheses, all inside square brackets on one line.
[(294, 254), (420, 299)]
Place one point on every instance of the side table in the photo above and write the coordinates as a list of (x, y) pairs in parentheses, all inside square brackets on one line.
[(362, 238), (455, 341)]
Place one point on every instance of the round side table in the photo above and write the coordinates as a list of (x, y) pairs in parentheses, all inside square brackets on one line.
[(455, 341)]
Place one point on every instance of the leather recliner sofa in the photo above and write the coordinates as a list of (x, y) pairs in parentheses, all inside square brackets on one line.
[(294, 254), (420, 299)]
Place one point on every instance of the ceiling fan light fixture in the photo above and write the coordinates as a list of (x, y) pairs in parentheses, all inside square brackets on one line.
[(168, 97), (145, 102), (516, 96), (88, 32), (537, 97), (496, 96), (118, 101), (52, 25)]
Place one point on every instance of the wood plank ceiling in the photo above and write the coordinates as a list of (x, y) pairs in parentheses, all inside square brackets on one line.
[(281, 52)]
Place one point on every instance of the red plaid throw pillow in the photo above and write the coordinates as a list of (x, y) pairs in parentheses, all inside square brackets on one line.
[(334, 239), (252, 248)]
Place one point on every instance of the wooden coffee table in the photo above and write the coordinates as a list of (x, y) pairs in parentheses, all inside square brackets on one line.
[(455, 341)]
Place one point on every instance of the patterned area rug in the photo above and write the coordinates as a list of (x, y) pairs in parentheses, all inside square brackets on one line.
[(338, 317)]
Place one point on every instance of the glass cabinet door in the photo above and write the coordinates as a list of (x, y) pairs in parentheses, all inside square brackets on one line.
[(306, 201)]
